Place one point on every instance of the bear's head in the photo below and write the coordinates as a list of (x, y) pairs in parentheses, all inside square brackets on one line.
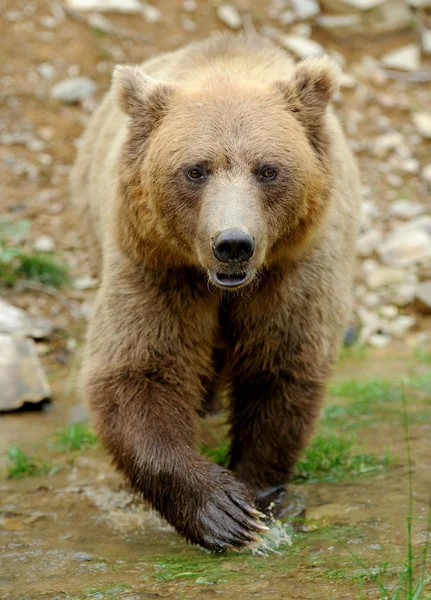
[(227, 176)]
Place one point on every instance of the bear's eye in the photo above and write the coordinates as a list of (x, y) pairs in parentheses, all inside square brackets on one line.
[(267, 173), (197, 174)]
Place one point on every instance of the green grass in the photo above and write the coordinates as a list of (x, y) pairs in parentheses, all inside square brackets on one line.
[(219, 454), (16, 264), (76, 437), (22, 465), (332, 457)]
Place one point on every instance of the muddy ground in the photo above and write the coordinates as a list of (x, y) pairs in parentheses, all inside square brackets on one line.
[(72, 530)]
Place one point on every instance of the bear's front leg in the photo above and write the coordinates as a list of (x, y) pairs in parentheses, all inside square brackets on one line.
[(149, 347)]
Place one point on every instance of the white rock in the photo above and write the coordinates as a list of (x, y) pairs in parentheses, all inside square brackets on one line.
[(411, 166), (406, 209), (403, 294), (44, 243), (120, 6), (399, 326), (300, 46), (426, 173), (371, 299), (305, 9), (422, 222), (340, 25), (370, 322), (384, 276), (379, 340), (368, 242), (188, 25), (73, 90), (46, 70), (13, 321), (423, 294), (368, 212), (388, 311), (385, 143), (287, 17), (426, 41), (406, 58), (151, 14), (100, 23), (85, 283), (190, 5), (420, 3), (229, 15), (347, 81), (422, 121), (404, 248)]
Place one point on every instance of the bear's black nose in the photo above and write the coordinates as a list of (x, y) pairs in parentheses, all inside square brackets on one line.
[(233, 244)]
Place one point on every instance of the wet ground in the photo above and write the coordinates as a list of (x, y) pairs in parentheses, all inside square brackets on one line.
[(77, 532), (71, 529)]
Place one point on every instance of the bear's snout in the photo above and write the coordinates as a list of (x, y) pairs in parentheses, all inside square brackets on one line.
[(233, 245)]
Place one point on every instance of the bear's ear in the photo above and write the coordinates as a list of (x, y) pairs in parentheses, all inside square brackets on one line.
[(139, 94)]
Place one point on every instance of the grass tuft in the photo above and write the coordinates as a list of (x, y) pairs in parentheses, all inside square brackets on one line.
[(22, 465), (76, 437), (219, 454)]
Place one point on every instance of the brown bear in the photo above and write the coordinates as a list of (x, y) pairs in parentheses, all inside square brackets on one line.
[(222, 200)]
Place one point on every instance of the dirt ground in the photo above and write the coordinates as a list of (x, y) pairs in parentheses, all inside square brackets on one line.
[(76, 532)]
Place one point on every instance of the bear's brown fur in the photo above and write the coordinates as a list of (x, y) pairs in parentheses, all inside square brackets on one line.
[(184, 147)]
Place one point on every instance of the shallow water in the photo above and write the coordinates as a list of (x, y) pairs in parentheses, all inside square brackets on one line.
[(79, 533)]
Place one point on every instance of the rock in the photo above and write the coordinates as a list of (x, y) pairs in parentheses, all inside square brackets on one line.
[(347, 81), (423, 296), (384, 276), (301, 47), (13, 320), (400, 325), (426, 173), (385, 143), (405, 209), (371, 324), (85, 283), (423, 222), (404, 248), (379, 340), (120, 6), (229, 15), (368, 242), (44, 243), (419, 3), (100, 23), (426, 41), (151, 14), (74, 89), (350, 336), (305, 9), (188, 25), (190, 5), (403, 294), (374, 16), (341, 26), (21, 375), (46, 70), (406, 58), (388, 311), (411, 166), (422, 122)]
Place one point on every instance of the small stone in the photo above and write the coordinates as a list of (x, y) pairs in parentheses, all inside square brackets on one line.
[(406, 58), (190, 5), (379, 340), (422, 122), (120, 6), (388, 311), (368, 242), (287, 17), (229, 15), (347, 81), (384, 276), (404, 248), (44, 243), (85, 283), (100, 23), (350, 336), (151, 14), (15, 321), (403, 294), (73, 90), (305, 9), (423, 295), (301, 47), (426, 173), (406, 209), (385, 143), (339, 25), (371, 323), (422, 222), (46, 71), (188, 25), (426, 41), (400, 325), (411, 166)]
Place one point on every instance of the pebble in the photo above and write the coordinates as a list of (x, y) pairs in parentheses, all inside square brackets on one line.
[(190, 5), (15, 321), (44, 243), (46, 71), (100, 23), (388, 311), (229, 15), (85, 283), (74, 89), (406, 58), (120, 6), (382, 276), (301, 47), (305, 9), (385, 143), (403, 294), (368, 242), (151, 14), (406, 209), (379, 340), (422, 122), (423, 295), (404, 248), (400, 325), (188, 25), (426, 41), (426, 173)]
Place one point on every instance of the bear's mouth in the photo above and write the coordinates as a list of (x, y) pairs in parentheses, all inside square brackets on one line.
[(230, 280)]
